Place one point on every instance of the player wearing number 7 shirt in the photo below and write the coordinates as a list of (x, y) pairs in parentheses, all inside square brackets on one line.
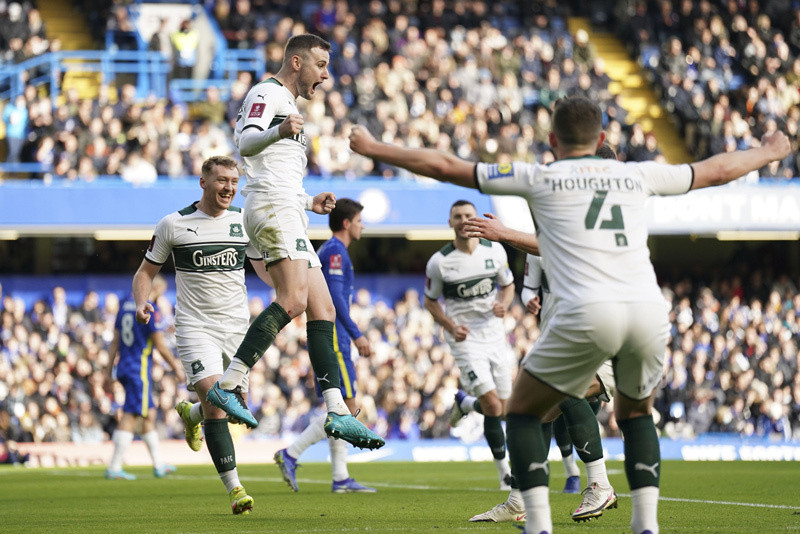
[(591, 226)]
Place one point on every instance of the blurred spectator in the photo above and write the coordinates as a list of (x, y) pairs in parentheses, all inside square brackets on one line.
[(185, 41), (15, 117)]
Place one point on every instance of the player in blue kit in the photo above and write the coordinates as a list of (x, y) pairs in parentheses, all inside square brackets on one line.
[(345, 223), (132, 350)]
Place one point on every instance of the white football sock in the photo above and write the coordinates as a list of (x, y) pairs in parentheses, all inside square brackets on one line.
[(230, 479), (334, 401), (151, 440), (339, 449), (503, 468), (537, 508), (645, 509), (468, 404), (121, 439), (596, 472), (196, 413), (313, 433), (570, 467), (234, 375)]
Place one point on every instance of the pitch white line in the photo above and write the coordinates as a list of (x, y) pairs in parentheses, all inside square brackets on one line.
[(421, 487)]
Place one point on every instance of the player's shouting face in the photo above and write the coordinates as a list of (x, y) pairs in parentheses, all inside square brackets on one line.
[(313, 71), (219, 188)]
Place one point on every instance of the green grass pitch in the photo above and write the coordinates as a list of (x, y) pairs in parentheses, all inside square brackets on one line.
[(731, 497)]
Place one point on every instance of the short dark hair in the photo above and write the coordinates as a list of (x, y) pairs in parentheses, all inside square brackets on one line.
[(606, 152), (213, 161), (346, 209), (458, 203), (577, 121), (302, 44)]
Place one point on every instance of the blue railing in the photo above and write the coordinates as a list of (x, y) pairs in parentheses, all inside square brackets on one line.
[(151, 69)]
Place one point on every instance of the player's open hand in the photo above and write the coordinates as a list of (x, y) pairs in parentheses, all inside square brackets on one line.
[(363, 346), (291, 125), (777, 143), (324, 203), (489, 228), (143, 312), (360, 140)]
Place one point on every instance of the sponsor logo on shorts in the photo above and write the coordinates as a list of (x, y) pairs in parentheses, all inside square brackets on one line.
[(197, 367)]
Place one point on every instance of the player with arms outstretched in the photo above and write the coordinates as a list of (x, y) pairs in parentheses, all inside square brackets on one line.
[(592, 233)]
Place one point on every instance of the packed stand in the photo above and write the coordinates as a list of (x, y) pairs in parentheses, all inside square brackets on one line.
[(728, 71), (476, 78), (731, 366)]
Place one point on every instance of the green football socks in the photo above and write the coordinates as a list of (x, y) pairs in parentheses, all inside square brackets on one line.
[(262, 333), (322, 355), (642, 453), (583, 429), (220, 444), (495, 437), (527, 450)]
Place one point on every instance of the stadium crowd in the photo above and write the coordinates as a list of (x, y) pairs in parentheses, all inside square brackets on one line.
[(731, 366), (478, 79), (729, 71)]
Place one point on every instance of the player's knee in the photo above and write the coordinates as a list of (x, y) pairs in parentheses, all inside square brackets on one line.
[(295, 303)]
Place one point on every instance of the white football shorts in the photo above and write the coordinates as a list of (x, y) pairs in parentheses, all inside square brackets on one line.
[(279, 228), (484, 367), (577, 341), (206, 353)]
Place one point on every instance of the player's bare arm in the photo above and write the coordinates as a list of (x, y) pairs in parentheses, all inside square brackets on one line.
[(505, 296), (160, 343), (459, 332), (423, 161), (113, 353), (492, 229), (142, 284), (724, 168)]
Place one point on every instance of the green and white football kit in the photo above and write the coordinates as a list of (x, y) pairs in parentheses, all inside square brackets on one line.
[(609, 304), (468, 283), (275, 200), (211, 314)]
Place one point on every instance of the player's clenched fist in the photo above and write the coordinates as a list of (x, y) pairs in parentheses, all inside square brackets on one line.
[(323, 203), (360, 139), (291, 125), (143, 312)]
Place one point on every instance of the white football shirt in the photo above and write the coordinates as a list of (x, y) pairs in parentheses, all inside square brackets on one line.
[(209, 255), (468, 283), (590, 221), (280, 168)]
